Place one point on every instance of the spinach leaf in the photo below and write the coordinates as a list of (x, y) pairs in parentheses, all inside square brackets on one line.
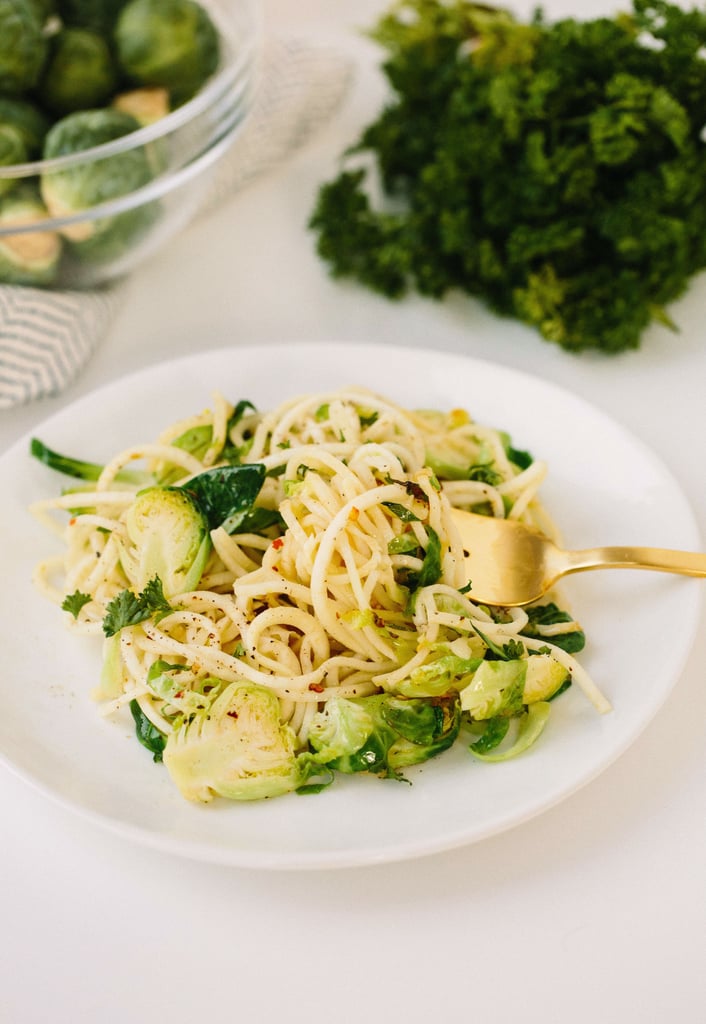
[(549, 614), (226, 491), (149, 735)]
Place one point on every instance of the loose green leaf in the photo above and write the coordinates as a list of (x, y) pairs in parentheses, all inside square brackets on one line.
[(510, 651), (255, 520), (531, 725), (128, 608), (226, 492), (148, 734), (493, 734), (70, 466), (404, 544), (74, 602), (522, 459), (431, 566), (403, 513), (572, 641)]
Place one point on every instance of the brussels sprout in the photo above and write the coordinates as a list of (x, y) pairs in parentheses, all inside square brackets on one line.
[(145, 105), (447, 672), (98, 15), (88, 184), (28, 120), (23, 46), (497, 687), (29, 258), (236, 748), (172, 43), (12, 151), (545, 678), (383, 733), (168, 538), (79, 72), (44, 9)]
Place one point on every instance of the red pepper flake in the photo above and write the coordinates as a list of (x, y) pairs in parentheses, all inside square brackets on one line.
[(277, 543), (317, 687), (232, 714), (72, 521)]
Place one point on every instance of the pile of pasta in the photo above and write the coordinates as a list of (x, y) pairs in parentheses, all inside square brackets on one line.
[(315, 606)]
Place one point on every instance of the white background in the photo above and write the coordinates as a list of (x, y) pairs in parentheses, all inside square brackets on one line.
[(593, 912)]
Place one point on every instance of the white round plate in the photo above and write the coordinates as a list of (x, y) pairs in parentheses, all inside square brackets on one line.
[(603, 487)]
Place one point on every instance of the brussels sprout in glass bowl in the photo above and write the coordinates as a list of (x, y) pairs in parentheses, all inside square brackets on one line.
[(89, 188)]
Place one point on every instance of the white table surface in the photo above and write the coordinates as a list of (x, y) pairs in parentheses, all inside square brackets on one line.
[(593, 911)]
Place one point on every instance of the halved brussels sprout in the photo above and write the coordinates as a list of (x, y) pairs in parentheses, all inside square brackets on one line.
[(146, 105), (12, 151), (236, 748), (168, 537), (93, 182), (29, 258), (497, 687)]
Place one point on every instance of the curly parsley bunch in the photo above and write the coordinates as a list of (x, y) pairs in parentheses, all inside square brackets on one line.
[(556, 171)]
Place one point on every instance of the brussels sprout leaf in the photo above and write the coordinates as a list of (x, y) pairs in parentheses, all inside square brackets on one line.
[(531, 724), (492, 736)]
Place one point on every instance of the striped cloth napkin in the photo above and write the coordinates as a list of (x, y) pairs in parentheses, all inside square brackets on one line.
[(46, 337)]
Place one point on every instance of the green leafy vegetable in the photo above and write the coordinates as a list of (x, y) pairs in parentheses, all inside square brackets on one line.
[(556, 170), (403, 513), (226, 493), (127, 608), (431, 566), (70, 466), (572, 641), (74, 602), (148, 734), (505, 652), (495, 731), (530, 725), (382, 733)]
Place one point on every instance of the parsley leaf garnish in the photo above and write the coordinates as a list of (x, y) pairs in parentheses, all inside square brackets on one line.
[(74, 602), (128, 608)]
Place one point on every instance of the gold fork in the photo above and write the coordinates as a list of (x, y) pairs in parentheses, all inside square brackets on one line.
[(510, 564)]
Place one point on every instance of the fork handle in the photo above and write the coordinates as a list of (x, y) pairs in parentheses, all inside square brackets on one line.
[(685, 563)]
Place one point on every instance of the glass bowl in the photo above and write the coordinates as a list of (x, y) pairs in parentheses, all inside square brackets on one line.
[(181, 150)]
